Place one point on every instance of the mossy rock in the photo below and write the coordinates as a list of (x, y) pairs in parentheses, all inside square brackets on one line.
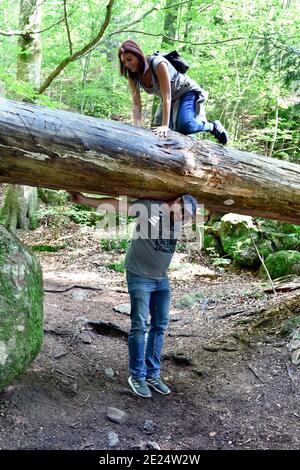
[(212, 243), (274, 226), (235, 232), (246, 255), (21, 307), (281, 264), (265, 248), (286, 241), (236, 239)]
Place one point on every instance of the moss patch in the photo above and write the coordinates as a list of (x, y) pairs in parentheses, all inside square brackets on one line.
[(281, 264), (21, 307)]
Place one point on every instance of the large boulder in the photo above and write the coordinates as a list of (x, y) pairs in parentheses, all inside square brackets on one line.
[(284, 236), (281, 264), (246, 254), (21, 307), (286, 241), (236, 239)]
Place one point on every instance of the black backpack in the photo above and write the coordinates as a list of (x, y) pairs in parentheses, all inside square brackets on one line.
[(174, 58)]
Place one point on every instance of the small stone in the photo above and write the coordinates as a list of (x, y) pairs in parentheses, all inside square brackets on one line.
[(153, 445), (228, 202), (85, 337), (115, 415), (294, 344), (74, 387), (7, 393), (174, 319), (122, 308), (113, 439), (81, 319), (296, 357), (79, 295), (109, 373), (140, 446), (60, 352), (179, 358), (149, 425), (200, 372)]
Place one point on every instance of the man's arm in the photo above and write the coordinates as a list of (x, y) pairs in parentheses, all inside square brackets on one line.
[(106, 204)]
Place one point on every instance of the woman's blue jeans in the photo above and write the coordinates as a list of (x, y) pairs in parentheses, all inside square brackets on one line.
[(187, 122), (147, 295)]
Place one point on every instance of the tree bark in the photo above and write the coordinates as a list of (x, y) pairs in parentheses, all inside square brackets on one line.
[(62, 150)]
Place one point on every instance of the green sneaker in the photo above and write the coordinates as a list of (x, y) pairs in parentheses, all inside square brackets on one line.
[(139, 387), (158, 385)]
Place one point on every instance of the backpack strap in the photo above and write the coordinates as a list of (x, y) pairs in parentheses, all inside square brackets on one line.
[(151, 60)]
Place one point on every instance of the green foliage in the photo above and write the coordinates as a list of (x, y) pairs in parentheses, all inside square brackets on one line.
[(289, 326), (117, 266), (52, 197), (83, 215), (47, 248), (216, 259), (188, 300), (115, 243), (61, 215)]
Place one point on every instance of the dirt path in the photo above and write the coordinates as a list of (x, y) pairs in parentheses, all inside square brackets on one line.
[(226, 394)]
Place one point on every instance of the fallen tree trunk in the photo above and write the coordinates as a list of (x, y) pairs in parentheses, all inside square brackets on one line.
[(61, 150)]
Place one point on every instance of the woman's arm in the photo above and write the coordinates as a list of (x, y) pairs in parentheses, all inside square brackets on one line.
[(137, 103), (163, 77)]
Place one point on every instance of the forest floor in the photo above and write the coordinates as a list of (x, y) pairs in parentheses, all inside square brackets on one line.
[(230, 389)]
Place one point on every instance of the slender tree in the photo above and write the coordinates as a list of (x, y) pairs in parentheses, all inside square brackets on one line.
[(169, 32), (21, 201)]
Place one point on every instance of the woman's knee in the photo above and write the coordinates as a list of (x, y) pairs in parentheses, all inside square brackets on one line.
[(187, 127)]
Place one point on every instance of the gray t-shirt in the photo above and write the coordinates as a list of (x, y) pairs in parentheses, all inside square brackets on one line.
[(154, 240), (180, 85)]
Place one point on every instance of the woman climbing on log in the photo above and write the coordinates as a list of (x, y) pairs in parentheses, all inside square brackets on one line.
[(182, 98)]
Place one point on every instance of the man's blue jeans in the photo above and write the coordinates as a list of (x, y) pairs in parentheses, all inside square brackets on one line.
[(147, 295), (187, 122)]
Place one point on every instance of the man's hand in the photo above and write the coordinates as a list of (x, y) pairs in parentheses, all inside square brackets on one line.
[(161, 131), (77, 198)]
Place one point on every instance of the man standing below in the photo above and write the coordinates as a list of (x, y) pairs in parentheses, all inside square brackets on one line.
[(158, 226)]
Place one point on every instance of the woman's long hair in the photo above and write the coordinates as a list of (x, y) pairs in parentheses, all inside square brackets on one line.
[(133, 48)]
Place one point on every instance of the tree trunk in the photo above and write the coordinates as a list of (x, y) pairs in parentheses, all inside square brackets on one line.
[(22, 201), (19, 207), (170, 26), (62, 150), (30, 56), (188, 27)]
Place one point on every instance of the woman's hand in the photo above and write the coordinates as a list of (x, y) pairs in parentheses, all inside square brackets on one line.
[(161, 131)]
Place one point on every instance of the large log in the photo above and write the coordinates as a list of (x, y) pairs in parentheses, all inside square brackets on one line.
[(62, 150)]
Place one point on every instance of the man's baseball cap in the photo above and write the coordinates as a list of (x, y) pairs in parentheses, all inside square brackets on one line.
[(190, 204)]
